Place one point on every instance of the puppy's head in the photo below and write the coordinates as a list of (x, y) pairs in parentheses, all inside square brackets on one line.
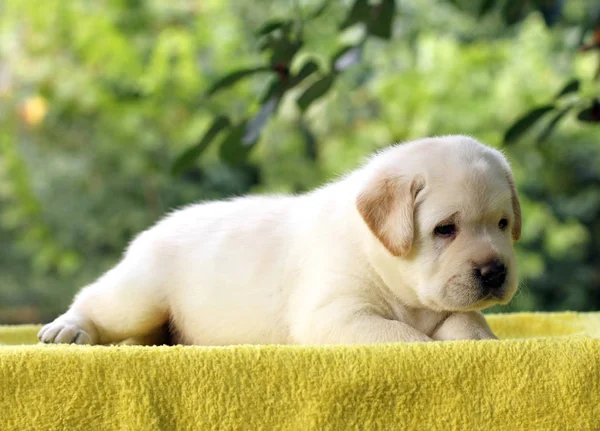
[(448, 208)]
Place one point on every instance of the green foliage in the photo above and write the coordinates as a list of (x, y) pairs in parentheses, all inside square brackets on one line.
[(113, 114), (526, 122), (591, 114), (550, 126), (570, 87), (234, 150), (187, 159), (234, 77), (315, 91)]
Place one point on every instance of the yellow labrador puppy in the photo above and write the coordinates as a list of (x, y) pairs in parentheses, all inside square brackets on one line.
[(407, 248)]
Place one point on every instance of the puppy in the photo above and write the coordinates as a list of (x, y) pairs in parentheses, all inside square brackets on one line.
[(407, 248)]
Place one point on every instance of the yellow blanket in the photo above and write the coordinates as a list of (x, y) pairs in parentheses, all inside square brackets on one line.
[(543, 375)]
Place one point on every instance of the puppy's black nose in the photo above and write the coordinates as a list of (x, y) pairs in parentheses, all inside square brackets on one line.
[(491, 275)]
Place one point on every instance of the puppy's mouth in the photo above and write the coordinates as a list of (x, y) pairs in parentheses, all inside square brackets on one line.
[(497, 295), (489, 300), (501, 295), (479, 304), (488, 296), (470, 296)]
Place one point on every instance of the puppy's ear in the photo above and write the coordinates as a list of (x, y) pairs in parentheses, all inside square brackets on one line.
[(387, 204), (516, 206)]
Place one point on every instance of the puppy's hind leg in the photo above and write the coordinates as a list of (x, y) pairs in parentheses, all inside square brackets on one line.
[(128, 301)]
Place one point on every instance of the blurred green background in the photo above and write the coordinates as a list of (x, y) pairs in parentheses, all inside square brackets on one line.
[(105, 106)]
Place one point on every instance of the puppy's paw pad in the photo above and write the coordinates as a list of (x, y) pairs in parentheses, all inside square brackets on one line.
[(64, 332)]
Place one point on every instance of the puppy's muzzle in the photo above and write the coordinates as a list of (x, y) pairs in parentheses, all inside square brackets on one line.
[(491, 277)]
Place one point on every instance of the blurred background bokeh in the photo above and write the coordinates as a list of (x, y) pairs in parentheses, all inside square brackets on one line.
[(115, 112)]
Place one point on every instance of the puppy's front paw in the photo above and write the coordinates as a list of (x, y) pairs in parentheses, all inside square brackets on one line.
[(64, 331), (482, 334)]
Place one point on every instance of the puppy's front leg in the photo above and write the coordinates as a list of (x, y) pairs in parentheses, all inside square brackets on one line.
[(372, 328), (469, 325), (344, 324)]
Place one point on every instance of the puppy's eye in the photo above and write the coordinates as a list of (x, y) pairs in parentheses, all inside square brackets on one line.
[(502, 224), (445, 230)]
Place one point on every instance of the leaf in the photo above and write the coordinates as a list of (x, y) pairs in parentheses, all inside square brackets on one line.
[(310, 141), (591, 114), (381, 22), (282, 46), (232, 78), (485, 7), (347, 57), (189, 156), (360, 12), (525, 122), (283, 50), (553, 123), (271, 26), (275, 87), (322, 7), (232, 151), (267, 43), (256, 125), (315, 91), (570, 87), (308, 69)]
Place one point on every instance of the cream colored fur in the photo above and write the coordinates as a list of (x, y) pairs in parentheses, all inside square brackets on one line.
[(356, 261)]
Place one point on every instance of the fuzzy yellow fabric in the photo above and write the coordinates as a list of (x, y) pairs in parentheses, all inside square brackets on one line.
[(543, 375)]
